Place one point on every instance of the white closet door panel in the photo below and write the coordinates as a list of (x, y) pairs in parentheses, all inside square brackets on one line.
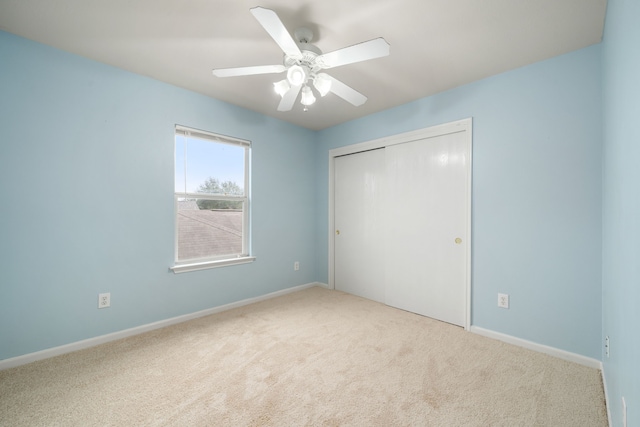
[(427, 224), (359, 194)]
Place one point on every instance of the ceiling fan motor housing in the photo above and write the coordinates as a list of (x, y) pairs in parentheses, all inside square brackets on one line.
[(310, 53)]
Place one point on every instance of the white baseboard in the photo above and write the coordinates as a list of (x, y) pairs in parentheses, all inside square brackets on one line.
[(541, 348), (91, 342)]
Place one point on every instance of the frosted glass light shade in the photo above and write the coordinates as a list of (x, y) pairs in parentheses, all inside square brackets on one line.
[(322, 83), (296, 75), (281, 87), (307, 96)]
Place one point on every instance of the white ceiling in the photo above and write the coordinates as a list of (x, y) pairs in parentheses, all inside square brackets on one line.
[(435, 44)]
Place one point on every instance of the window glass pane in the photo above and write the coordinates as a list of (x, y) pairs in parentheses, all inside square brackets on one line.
[(209, 228), (212, 168)]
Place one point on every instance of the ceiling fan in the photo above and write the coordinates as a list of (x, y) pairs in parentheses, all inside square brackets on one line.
[(304, 62)]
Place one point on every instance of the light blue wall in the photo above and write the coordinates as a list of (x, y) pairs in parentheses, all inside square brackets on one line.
[(86, 182), (621, 207), (536, 194), (86, 189)]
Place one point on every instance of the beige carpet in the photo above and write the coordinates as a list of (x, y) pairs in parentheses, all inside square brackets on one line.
[(315, 357)]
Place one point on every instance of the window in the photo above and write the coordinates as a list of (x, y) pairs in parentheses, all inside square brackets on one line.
[(211, 200)]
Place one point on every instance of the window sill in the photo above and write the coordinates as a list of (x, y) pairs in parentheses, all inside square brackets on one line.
[(184, 268)]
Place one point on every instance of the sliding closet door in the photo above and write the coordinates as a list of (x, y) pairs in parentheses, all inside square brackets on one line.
[(426, 245), (359, 199)]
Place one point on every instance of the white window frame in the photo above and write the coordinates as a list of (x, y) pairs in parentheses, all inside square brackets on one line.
[(226, 260)]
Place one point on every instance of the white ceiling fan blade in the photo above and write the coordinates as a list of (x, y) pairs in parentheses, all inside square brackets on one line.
[(364, 51), (248, 71), (345, 92), (289, 98), (276, 29)]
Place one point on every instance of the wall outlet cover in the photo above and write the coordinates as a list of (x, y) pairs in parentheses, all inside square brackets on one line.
[(104, 300), (503, 300)]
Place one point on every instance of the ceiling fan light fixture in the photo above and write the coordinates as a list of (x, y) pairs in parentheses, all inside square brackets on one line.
[(307, 97), (302, 62), (322, 83), (281, 87), (296, 75)]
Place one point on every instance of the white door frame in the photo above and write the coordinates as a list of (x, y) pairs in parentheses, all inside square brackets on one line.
[(464, 125)]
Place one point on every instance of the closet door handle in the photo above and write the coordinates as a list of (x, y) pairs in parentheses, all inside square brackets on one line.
[(458, 240), (337, 232)]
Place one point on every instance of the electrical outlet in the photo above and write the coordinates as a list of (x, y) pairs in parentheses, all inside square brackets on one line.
[(296, 266), (503, 300), (104, 300), (607, 346)]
